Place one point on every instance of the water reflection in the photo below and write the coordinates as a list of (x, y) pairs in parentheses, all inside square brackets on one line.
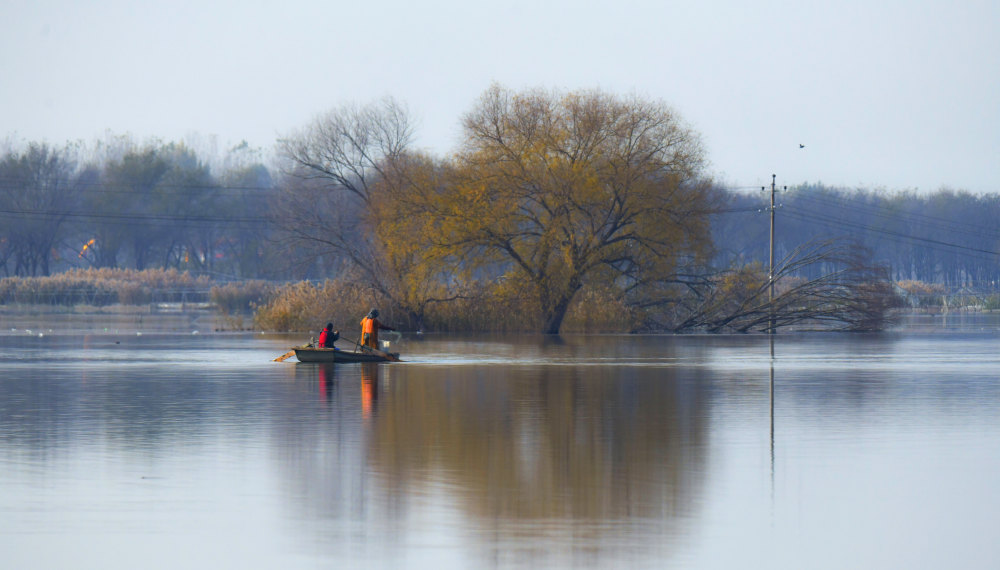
[(533, 457), (770, 370), (589, 452), (325, 381), (369, 388)]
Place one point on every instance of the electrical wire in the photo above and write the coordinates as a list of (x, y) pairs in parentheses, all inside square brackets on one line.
[(136, 218), (846, 224)]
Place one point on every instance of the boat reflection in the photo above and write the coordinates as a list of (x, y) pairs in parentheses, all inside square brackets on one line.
[(326, 385)]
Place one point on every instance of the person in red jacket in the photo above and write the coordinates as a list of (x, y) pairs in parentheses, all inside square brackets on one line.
[(328, 336), (370, 326)]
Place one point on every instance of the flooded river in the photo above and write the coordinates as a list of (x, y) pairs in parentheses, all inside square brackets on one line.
[(124, 448)]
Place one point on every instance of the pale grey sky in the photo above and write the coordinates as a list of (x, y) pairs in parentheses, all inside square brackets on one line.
[(884, 94)]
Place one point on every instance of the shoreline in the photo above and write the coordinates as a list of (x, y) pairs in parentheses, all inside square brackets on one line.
[(116, 319), (201, 318)]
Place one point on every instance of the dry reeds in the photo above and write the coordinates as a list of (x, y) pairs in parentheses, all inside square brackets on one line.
[(305, 306), (103, 287), (242, 297), (492, 309)]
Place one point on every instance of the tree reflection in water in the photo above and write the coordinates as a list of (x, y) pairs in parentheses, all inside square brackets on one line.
[(529, 455)]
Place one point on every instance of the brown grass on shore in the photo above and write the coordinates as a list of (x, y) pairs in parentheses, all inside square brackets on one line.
[(102, 287)]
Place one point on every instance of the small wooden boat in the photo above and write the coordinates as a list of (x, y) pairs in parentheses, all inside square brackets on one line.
[(314, 354)]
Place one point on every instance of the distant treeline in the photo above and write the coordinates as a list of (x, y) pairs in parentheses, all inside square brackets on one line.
[(124, 205), (945, 237)]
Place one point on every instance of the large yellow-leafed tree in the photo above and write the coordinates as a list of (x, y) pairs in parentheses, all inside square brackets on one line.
[(562, 190)]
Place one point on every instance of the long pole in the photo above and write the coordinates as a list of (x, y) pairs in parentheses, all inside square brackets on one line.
[(770, 264)]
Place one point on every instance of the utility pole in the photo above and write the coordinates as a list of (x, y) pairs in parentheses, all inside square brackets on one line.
[(770, 263)]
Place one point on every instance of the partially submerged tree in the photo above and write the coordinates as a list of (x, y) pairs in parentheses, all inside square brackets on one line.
[(849, 292), (564, 189)]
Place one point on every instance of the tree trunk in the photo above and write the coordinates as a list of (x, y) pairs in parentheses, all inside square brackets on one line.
[(555, 312)]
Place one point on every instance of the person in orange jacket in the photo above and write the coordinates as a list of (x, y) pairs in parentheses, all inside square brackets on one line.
[(370, 326)]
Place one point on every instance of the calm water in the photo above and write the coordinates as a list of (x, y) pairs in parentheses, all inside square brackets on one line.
[(121, 450)]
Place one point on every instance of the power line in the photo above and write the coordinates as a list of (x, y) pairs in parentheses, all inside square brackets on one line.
[(974, 259), (825, 203), (135, 218), (910, 218), (7, 183), (806, 216)]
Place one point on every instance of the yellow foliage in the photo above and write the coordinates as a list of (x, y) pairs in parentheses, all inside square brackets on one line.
[(601, 311), (743, 282), (921, 288), (562, 189)]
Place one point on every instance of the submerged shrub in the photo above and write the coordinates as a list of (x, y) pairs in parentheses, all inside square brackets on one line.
[(241, 297), (600, 311), (992, 303), (921, 294), (305, 306)]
